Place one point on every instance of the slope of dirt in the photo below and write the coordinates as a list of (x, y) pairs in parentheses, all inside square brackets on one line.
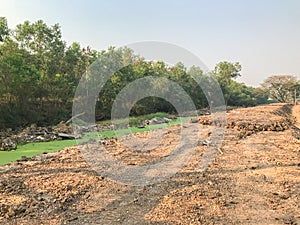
[(255, 179), (296, 114)]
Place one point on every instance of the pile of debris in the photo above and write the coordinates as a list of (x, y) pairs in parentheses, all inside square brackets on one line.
[(7, 144), (9, 139), (261, 118), (62, 127)]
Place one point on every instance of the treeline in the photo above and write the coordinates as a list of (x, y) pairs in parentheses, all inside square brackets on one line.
[(39, 74)]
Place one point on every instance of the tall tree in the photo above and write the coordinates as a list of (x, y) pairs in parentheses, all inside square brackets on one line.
[(47, 50), (18, 85), (46, 45), (281, 87), (225, 72), (4, 31)]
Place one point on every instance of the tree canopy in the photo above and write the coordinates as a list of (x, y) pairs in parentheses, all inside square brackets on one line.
[(39, 74), (4, 31), (282, 88)]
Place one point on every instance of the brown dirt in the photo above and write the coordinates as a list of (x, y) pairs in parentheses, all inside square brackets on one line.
[(254, 180), (296, 114)]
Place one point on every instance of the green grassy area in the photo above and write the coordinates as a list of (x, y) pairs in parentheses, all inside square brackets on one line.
[(32, 149)]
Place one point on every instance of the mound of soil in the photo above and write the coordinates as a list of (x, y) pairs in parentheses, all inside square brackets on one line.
[(253, 180), (275, 117)]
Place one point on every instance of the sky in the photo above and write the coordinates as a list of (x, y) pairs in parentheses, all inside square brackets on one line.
[(263, 35)]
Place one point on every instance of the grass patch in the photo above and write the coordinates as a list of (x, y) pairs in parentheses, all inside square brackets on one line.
[(32, 149)]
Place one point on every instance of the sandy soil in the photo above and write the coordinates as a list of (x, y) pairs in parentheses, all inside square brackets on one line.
[(255, 179), (296, 114)]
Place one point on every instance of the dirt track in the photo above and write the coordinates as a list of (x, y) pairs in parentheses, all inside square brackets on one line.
[(254, 180)]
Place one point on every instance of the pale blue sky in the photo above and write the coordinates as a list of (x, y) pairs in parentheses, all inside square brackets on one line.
[(263, 35)]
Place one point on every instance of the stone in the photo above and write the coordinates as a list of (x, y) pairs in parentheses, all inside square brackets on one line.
[(8, 144)]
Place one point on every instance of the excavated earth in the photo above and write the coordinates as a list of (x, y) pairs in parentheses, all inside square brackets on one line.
[(255, 179)]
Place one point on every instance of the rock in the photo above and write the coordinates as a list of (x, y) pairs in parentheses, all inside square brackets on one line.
[(88, 128), (8, 144), (206, 142), (68, 136), (158, 120), (194, 120), (23, 159)]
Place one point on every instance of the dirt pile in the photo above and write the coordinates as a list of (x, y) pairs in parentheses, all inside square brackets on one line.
[(254, 180), (275, 117)]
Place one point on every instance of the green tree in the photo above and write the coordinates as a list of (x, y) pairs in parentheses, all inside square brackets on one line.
[(39, 74), (242, 95), (45, 45), (195, 75), (4, 31), (225, 72), (18, 84), (47, 50)]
